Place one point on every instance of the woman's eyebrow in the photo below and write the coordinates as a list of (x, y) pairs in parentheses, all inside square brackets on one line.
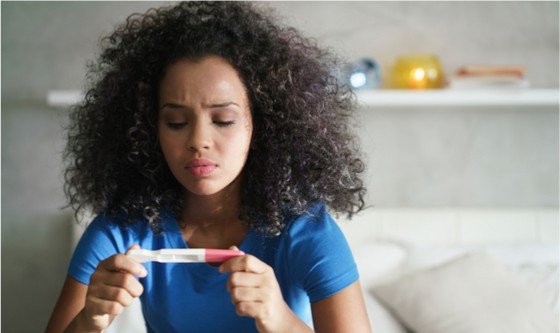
[(212, 106), (221, 105), (173, 106)]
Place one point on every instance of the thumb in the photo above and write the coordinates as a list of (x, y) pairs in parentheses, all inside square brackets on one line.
[(234, 248), (133, 247)]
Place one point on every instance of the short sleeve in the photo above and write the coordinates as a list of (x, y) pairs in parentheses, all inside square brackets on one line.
[(319, 257), (100, 240)]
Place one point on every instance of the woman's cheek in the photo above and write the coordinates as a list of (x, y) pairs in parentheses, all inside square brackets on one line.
[(171, 149)]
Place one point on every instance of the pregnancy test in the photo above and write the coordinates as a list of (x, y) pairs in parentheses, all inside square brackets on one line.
[(184, 255)]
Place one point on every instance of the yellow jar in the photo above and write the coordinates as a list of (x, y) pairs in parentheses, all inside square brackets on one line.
[(418, 71)]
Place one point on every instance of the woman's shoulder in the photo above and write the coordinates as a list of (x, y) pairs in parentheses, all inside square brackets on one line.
[(117, 232), (108, 221), (317, 254), (117, 225), (315, 220)]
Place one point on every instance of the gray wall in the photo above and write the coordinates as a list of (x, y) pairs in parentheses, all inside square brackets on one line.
[(499, 157)]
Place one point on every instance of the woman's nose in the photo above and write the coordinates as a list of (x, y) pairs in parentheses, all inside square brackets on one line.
[(199, 138)]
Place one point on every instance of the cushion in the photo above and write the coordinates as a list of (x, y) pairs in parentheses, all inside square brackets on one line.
[(535, 263), (380, 319), (379, 262), (472, 293)]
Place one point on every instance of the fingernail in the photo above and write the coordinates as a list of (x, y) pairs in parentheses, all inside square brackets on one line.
[(143, 272)]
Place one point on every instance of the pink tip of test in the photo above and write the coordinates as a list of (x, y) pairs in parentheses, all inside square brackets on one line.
[(216, 255)]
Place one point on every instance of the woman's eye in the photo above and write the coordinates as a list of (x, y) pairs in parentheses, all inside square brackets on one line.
[(176, 125), (224, 123), (181, 125)]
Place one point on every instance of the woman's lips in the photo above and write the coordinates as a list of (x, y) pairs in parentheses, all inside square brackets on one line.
[(202, 170), (201, 167)]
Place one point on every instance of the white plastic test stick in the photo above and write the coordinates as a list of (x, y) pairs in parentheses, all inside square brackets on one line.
[(184, 255)]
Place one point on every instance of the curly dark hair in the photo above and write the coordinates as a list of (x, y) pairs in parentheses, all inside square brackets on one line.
[(304, 150)]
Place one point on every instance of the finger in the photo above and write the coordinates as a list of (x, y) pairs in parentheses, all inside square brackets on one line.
[(246, 263), (248, 309), (101, 306), (125, 281), (246, 294), (114, 294), (243, 279), (133, 247), (143, 271), (120, 262)]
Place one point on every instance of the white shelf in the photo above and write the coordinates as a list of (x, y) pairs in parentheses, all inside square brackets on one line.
[(63, 98), (445, 97)]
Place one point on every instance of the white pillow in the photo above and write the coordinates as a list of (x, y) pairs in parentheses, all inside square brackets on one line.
[(471, 294), (535, 263), (380, 319), (379, 262)]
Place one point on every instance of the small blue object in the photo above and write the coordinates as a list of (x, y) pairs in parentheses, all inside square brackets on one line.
[(364, 74)]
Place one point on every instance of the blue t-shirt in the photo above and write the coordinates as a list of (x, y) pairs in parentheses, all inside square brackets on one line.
[(311, 261)]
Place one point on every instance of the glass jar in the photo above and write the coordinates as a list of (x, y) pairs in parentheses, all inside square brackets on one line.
[(417, 71)]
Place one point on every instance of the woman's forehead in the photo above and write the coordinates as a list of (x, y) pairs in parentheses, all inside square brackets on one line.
[(207, 79)]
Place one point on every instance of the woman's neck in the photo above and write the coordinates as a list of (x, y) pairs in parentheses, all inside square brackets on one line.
[(212, 221), (213, 210)]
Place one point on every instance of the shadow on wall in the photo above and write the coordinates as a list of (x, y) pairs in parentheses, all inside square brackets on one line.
[(33, 269)]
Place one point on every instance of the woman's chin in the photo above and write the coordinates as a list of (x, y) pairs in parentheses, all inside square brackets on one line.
[(203, 189), (202, 192)]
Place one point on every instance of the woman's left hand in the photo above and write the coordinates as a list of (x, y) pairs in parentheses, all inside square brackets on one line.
[(255, 293)]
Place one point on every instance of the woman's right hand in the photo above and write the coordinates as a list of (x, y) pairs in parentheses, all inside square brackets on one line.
[(112, 287)]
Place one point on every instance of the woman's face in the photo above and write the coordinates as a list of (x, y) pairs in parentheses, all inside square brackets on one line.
[(204, 124)]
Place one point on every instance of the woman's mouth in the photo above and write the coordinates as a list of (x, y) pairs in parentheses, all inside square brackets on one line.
[(201, 170), (201, 167)]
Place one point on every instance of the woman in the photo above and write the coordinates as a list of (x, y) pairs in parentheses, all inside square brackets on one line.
[(208, 125)]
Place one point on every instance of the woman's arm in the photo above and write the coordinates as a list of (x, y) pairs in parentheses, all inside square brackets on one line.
[(255, 293), (70, 303), (345, 311), (92, 308)]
